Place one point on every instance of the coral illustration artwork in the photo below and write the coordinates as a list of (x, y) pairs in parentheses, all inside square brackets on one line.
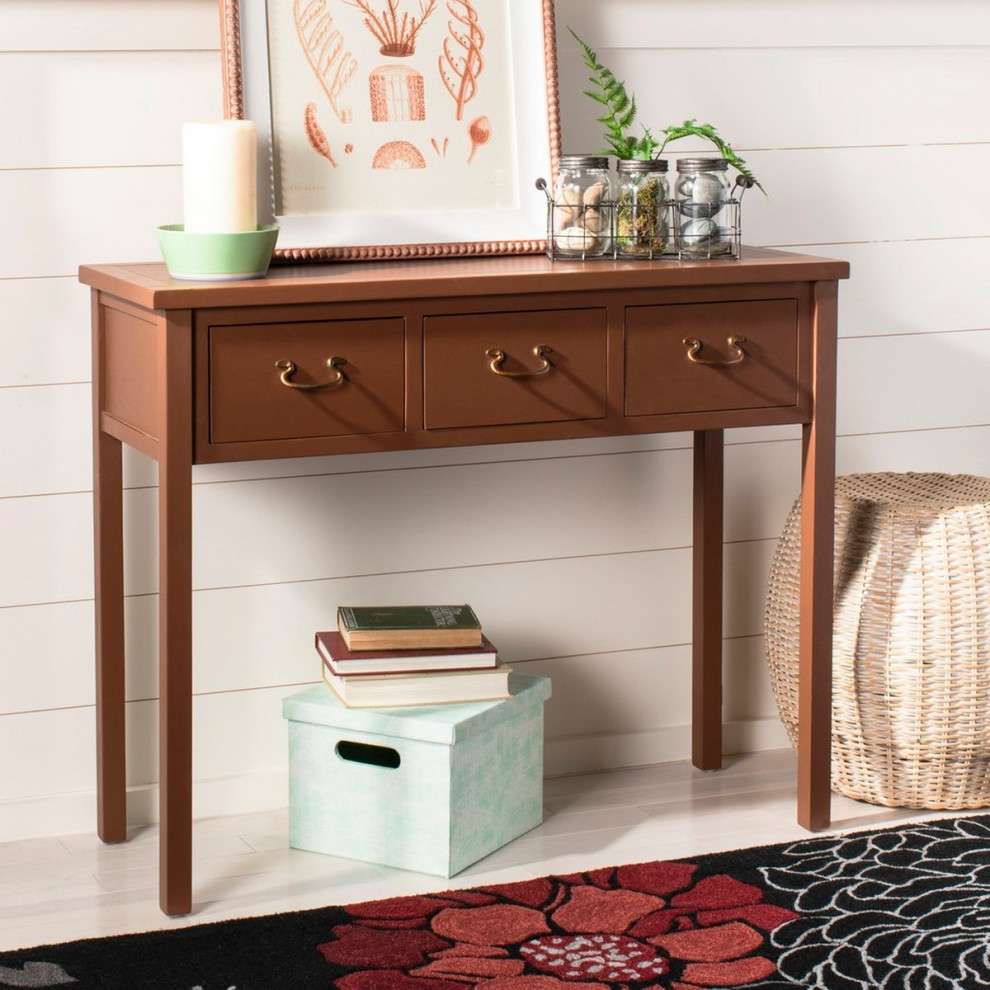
[(317, 139), (323, 45), (395, 34), (479, 133), (398, 154), (461, 62), (396, 93), (397, 109)]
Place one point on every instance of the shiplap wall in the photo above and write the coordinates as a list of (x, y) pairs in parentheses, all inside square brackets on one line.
[(869, 126)]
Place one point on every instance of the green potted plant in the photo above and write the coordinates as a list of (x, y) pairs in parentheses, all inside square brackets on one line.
[(619, 114), (641, 218)]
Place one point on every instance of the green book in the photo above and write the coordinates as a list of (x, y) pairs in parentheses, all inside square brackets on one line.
[(408, 627)]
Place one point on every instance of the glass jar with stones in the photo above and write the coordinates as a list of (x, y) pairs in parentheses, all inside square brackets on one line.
[(641, 228), (701, 192), (582, 207)]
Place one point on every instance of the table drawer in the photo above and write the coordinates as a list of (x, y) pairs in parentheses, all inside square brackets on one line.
[(711, 356), (467, 384), (249, 400)]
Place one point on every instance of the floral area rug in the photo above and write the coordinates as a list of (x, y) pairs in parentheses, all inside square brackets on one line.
[(906, 908)]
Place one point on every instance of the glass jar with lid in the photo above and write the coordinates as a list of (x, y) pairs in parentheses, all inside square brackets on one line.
[(641, 228), (701, 192), (581, 207)]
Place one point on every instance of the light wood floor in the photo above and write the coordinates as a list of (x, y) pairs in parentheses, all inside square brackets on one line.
[(74, 886)]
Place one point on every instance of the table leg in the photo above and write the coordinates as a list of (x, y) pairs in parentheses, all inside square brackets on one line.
[(175, 617), (817, 529), (706, 714), (111, 777)]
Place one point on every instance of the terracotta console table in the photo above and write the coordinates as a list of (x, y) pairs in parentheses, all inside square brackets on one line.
[(383, 356)]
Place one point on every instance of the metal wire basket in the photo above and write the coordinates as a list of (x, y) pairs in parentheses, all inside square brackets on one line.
[(676, 232)]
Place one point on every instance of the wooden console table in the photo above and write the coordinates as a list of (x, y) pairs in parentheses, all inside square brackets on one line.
[(398, 355)]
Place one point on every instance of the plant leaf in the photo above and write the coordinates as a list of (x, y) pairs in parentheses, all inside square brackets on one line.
[(691, 128), (620, 115), (598, 98), (620, 105)]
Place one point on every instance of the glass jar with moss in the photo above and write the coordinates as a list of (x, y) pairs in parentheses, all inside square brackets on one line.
[(641, 228)]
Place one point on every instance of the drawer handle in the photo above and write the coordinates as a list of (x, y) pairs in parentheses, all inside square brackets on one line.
[(694, 349), (497, 356), (289, 369)]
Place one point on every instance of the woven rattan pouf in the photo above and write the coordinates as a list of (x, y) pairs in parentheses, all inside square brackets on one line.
[(911, 646)]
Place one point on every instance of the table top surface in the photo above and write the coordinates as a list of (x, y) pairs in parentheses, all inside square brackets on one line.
[(149, 284)]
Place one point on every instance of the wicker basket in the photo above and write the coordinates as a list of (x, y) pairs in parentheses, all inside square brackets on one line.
[(911, 647)]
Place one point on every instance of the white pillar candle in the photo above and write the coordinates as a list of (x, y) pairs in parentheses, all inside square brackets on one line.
[(219, 176)]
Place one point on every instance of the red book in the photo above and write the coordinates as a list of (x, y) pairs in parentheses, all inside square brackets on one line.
[(344, 662)]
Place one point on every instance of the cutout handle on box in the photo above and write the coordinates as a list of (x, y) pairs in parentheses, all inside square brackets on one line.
[(376, 756)]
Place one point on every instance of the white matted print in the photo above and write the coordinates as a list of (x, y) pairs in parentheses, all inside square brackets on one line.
[(397, 128)]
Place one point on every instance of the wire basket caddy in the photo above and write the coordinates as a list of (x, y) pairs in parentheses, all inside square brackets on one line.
[(672, 230)]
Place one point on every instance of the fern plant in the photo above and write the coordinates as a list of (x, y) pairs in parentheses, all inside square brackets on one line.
[(691, 128), (619, 115), (619, 110)]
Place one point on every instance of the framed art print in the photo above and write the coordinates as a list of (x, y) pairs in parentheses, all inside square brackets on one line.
[(397, 128)]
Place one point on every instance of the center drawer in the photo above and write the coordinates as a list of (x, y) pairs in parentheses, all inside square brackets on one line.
[(273, 381), (498, 369)]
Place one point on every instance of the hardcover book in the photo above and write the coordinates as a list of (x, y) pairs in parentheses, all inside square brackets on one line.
[(332, 648), (408, 627), (404, 690)]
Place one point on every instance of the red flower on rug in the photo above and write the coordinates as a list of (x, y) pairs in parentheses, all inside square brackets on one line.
[(650, 923)]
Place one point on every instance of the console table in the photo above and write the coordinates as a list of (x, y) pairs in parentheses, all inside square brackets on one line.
[(396, 355)]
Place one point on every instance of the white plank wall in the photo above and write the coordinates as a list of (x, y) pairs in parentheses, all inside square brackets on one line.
[(869, 126)]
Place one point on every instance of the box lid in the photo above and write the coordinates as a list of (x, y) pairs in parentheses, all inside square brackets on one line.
[(432, 723)]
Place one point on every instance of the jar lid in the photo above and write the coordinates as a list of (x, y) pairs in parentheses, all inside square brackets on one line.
[(642, 165), (584, 161), (702, 164)]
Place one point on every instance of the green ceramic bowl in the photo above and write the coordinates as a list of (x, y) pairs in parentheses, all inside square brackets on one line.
[(217, 257)]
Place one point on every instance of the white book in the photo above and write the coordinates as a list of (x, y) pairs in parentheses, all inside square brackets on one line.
[(403, 690)]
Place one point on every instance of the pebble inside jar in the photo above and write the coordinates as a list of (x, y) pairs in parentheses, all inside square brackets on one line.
[(582, 207), (701, 192)]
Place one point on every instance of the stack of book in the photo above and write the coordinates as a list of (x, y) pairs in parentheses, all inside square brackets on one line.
[(389, 656)]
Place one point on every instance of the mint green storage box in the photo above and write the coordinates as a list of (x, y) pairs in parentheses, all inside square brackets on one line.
[(431, 788)]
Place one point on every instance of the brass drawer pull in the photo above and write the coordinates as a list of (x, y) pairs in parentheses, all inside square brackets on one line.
[(289, 369), (497, 356), (694, 349)]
